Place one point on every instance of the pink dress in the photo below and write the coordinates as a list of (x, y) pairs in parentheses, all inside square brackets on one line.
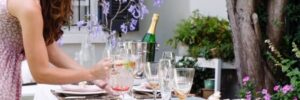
[(11, 55)]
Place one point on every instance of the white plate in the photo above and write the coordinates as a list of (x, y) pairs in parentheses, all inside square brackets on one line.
[(142, 88), (80, 88), (79, 93), (71, 89)]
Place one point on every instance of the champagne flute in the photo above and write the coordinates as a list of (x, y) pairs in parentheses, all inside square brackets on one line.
[(169, 55), (151, 73), (183, 79), (166, 78)]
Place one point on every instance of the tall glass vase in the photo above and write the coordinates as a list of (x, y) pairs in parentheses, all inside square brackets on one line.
[(87, 52), (110, 45)]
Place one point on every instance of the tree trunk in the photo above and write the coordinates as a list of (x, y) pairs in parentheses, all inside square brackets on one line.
[(247, 38), (236, 38)]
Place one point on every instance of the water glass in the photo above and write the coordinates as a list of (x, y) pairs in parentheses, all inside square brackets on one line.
[(183, 81), (141, 61), (166, 78), (151, 73), (121, 78)]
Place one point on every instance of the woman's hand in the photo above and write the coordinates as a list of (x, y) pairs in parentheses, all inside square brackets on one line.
[(101, 69), (103, 85)]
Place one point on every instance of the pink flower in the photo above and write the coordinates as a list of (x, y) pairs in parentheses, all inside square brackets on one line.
[(295, 98), (248, 95), (276, 88), (245, 80), (264, 91), (287, 88), (267, 96)]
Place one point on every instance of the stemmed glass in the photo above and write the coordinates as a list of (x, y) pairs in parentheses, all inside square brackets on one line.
[(151, 73), (183, 79), (169, 55), (166, 78)]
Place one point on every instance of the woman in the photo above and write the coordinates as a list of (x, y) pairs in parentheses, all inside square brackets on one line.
[(30, 28)]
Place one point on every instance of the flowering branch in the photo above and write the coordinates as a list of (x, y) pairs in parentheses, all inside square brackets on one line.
[(117, 13), (125, 8), (288, 91), (137, 9)]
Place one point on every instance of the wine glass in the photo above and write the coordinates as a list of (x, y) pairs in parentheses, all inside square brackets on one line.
[(151, 73), (169, 55), (183, 81), (166, 78)]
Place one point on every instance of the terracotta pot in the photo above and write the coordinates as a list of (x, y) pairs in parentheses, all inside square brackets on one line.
[(207, 92)]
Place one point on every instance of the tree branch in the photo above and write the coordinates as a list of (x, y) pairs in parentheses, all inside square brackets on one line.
[(111, 21), (275, 27), (257, 28), (126, 7)]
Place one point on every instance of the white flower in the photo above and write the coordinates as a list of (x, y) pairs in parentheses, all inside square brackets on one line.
[(180, 64)]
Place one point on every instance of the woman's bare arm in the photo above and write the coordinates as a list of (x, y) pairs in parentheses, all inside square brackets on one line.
[(29, 15), (58, 58)]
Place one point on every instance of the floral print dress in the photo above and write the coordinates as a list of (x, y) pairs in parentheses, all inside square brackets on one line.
[(11, 55)]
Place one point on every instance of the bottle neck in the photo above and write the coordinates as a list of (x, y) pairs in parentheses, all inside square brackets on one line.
[(152, 27)]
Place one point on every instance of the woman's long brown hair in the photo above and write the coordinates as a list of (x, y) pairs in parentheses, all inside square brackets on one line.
[(55, 13)]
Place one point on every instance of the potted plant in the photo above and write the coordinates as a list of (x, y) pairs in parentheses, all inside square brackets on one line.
[(205, 36)]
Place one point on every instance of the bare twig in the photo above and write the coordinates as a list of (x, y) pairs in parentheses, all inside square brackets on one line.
[(111, 21), (126, 6)]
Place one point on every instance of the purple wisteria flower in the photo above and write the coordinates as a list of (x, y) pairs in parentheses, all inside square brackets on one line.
[(124, 28), (132, 8), (96, 31), (94, 27), (157, 2), (245, 80), (248, 95), (143, 10), (139, 10), (80, 23), (133, 24), (135, 12), (276, 88), (287, 88), (105, 7), (111, 41)]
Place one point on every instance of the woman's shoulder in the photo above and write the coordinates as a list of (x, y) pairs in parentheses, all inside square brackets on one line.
[(20, 7)]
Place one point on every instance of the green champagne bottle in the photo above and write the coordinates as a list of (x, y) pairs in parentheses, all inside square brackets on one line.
[(150, 39)]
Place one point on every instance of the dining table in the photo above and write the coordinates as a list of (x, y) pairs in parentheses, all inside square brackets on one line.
[(46, 92)]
